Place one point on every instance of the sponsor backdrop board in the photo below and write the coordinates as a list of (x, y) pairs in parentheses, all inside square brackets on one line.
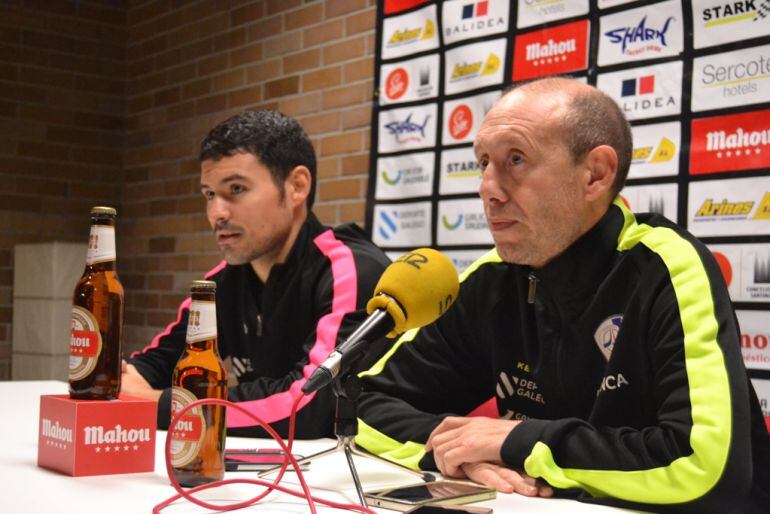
[(692, 77)]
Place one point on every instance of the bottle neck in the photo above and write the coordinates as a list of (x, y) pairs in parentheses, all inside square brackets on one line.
[(202, 323), (101, 246)]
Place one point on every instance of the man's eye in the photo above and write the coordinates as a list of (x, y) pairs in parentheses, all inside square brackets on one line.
[(208, 195), (237, 189), (483, 164), (516, 159)]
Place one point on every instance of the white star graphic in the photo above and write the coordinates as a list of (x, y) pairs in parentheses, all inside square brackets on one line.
[(563, 57), (98, 449), (136, 447), (729, 153), (106, 448), (756, 151), (125, 448), (719, 155), (737, 152), (550, 60), (117, 448), (535, 63)]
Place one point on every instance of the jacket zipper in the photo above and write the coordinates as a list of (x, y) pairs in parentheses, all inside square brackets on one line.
[(259, 325), (532, 287)]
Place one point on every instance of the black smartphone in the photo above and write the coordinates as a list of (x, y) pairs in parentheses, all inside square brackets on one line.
[(257, 460), (444, 492)]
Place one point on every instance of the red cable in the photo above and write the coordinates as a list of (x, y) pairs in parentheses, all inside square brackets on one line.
[(270, 486)]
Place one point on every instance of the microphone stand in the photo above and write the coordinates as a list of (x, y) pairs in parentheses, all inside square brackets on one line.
[(347, 388)]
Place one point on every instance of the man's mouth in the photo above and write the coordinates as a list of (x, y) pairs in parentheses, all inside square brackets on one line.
[(227, 238), (496, 224)]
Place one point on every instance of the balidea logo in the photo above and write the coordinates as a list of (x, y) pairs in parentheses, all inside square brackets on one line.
[(464, 20), (645, 92)]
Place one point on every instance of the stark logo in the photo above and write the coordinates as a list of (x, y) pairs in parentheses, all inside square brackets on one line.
[(607, 333)]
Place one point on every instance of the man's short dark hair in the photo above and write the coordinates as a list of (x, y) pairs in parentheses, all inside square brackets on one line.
[(277, 140), (592, 119)]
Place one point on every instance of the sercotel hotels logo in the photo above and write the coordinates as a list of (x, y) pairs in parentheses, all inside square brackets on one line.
[(407, 130)]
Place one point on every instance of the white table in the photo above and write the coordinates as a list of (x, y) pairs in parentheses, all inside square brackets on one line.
[(24, 487)]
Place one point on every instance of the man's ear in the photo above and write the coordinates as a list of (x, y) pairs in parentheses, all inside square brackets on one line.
[(298, 185), (602, 165)]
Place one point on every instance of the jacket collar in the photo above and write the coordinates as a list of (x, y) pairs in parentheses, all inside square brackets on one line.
[(309, 230), (585, 263)]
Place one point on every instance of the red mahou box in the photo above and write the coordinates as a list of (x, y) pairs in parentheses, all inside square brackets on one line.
[(95, 437)]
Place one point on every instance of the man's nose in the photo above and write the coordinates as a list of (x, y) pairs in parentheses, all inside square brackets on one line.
[(218, 211), (490, 188)]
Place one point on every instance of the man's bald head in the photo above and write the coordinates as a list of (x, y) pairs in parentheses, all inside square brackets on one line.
[(586, 117)]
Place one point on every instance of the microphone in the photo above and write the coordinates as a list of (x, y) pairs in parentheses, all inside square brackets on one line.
[(414, 291)]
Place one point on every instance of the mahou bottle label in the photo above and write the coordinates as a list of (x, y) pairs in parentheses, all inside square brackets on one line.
[(101, 244), (202, 324), (187, 435), (85, 343)]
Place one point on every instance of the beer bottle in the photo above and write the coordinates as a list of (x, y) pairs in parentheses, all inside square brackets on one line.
[(96, 339), (198, 440)]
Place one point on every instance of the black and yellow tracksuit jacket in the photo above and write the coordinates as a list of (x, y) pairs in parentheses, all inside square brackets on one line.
[(621, 357), (277, 333)]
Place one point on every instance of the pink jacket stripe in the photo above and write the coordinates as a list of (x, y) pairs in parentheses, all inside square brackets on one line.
[(278, 406)]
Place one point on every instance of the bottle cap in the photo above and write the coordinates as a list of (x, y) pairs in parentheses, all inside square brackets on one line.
[(104, 210)]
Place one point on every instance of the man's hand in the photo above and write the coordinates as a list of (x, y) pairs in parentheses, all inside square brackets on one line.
[(505, 479), (132, 383), (457, 441)]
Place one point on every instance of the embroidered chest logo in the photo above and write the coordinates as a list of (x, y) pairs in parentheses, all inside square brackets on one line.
[(607, 333), (511, 386)]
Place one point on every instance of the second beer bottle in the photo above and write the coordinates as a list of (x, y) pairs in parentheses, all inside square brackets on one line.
[(198, 440)]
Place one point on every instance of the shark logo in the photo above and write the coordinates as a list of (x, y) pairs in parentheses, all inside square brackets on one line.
[(407, 130), (451, 226)]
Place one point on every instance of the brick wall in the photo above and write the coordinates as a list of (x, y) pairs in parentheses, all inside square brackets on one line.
[(62, 112), (107, 102)]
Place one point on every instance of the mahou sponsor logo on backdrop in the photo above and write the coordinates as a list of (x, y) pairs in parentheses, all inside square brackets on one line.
[(407, 81), (406, 225), (474, 66), (716, 22), (656, 150), (731, 79), (466, 19), (409, 33), (734, 207), (650, 32), (755, 338), (407, 128), (462, 222), (660, 199), (535, 12), (460, 171), (730, 143), (746, 269), (560, 49), (646, 92), (405, 176), (463, 117), (394, 6)]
